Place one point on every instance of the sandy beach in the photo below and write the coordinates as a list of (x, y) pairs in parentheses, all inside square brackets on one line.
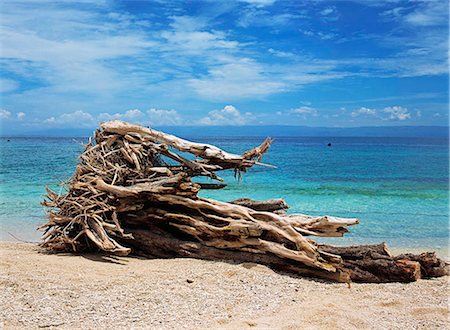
[(93, 292)]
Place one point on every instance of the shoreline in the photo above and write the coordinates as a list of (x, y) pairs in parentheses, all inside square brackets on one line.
[(91, 291), (443, 253)]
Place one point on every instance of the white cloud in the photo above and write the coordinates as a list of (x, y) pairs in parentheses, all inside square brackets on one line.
[(73, 119), (329, 14), (256, 16), (133, 114), (130, 115), (21, 116), (190, 36), (155, 117), (259, 3), (424, 50), (393, 113), (364, 111), (304, 110), (319, 34), (96, 55), (196, 42), (69, 69), (326, 36), (328, 11), (159, 117), (4, 114), (69, 48), (292, 116), (393, 13), (240, 78), (229, 115), (397, 113), (187, 23), (244, 78), (280, 53), (429, 13)]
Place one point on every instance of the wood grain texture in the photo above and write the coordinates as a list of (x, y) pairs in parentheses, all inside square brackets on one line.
[(132, 193)]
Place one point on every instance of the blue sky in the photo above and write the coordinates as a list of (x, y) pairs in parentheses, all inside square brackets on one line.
[(245, 62)]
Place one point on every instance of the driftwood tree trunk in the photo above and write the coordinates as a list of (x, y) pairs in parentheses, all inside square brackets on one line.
[(131, 192)]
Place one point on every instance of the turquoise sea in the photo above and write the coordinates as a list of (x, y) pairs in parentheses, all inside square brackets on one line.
[(397, 187)]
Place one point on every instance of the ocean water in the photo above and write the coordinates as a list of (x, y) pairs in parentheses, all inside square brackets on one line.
[(397, 187)]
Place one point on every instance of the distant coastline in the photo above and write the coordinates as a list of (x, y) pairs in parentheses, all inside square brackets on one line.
[(275, 130)]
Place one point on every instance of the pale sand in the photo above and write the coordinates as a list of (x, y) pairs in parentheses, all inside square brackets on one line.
[(90, 292)]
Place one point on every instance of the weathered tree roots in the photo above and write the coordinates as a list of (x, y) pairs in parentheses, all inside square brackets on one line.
[(132, 193)]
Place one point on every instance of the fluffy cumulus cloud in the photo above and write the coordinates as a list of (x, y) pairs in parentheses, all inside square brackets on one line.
[(387, 113), (364, 111), (397, 113), (130, 115), (21, 116), (4, 114), (154, 117), (229, 115), (160, 117), (72, 119)]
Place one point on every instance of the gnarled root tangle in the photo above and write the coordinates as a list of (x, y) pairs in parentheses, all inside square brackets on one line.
[(131, 192)]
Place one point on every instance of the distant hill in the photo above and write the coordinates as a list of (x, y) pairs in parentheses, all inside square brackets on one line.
[(397, 131), (384, 131)]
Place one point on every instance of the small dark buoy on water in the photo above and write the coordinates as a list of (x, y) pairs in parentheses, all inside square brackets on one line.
[(8, 140), (329, 144)]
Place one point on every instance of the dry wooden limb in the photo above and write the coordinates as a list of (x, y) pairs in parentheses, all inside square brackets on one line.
[(308, 225), (278, 231), (430, 264), (161, 185), (257, 152), (374, 263), (326, 226), (357, 251), (131, 192), (205, 151), (270, 205), (158, 243)]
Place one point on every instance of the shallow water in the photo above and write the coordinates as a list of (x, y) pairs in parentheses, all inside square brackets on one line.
[(397, 187)]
